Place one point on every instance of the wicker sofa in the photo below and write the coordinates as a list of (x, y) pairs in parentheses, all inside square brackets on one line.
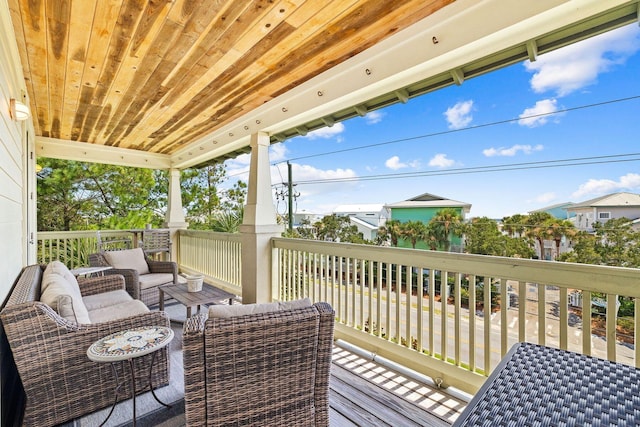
[(59, 381), (141, 274), (259, 364)]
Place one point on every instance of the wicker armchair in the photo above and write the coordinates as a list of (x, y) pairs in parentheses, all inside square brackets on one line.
[(262, 369), (142, 288), (50, 353)]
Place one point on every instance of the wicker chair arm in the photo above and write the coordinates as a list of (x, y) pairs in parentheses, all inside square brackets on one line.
[(164, 267), (50, 354), (131, 280), (101, 284), (194, 371)]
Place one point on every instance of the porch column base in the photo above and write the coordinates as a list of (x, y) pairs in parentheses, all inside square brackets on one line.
[(256, 262)]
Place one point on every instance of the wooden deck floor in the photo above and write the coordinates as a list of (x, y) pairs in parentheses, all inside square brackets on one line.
[(365, 393)]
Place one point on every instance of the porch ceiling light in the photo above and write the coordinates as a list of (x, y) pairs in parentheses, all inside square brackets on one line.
[(18, 111)]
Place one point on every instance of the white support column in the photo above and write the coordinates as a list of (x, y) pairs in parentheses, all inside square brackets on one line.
[(259, 225), (174, 218)]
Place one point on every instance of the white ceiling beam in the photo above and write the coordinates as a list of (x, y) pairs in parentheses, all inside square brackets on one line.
[(84, 152)]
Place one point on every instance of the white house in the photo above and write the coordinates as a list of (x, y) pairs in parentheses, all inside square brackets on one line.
[(366, 217), (603, 208)]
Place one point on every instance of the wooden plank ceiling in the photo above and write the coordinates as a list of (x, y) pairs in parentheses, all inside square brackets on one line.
[(154, 75)]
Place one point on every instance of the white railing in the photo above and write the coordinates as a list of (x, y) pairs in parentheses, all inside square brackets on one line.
[(216, 255), (72, 247), (391, 301)]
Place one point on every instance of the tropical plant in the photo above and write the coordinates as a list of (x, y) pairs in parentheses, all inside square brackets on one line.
[(390, 232), (557, 229), (413, 231), (446, 222)]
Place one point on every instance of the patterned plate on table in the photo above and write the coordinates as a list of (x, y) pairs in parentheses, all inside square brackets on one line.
[(130, 343)]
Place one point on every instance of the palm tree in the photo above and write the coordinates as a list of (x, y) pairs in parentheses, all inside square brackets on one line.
[(556, 229), (414, 231), (390, 232), (536, 228), (447, 221), (514, 225)]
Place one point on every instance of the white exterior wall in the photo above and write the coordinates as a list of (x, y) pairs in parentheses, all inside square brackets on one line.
[(15, 206)]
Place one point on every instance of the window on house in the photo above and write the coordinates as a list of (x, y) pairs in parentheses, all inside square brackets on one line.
[(604, 215)]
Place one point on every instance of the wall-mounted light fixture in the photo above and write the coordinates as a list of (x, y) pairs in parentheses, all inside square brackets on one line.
[(18, 111)]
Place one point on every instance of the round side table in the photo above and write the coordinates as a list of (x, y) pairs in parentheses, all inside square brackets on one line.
[(128, 345)]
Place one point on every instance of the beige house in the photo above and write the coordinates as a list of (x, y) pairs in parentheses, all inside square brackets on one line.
[(603, 208)]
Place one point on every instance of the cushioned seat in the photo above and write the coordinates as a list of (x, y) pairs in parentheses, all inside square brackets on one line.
[(49, 325), (141, 274)]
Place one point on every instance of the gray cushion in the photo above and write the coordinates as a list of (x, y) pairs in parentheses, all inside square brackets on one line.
[(155, 279), (64, 297), (129, 259), (226, 311), (57, 267), (105, 299), (120, 311)]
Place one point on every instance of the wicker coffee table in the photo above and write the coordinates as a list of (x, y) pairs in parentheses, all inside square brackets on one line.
[(208, 295)]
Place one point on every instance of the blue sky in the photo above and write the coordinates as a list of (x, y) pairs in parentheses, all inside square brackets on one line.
[(451, 130)]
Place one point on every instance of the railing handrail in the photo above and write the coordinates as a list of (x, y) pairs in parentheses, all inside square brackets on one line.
[(594, 278)]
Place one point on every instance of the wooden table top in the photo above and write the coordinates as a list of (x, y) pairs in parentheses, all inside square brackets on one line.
[(208, 294)]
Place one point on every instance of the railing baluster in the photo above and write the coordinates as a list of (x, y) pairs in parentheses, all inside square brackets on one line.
[(542, 315), (504, 319), (486, 289), (444, 318), (612, 312), (564, 318)]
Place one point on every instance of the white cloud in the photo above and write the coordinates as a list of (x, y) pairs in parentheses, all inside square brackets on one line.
[(440, 160), (459, 115), (578, 65), (310, 173), (277, 152), (326, 132), (395, 163), (630, 181), (511, 151), (539, 114), (374, 117)]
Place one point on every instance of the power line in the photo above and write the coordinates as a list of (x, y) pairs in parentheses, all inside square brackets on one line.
[(450, 131), (615, 158)]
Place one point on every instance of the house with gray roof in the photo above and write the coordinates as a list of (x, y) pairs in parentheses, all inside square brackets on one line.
[(603, 208)]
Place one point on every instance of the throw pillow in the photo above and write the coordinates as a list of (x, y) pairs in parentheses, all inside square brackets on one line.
[(128, 259), (226, 311), (65, 298), (57, 267)]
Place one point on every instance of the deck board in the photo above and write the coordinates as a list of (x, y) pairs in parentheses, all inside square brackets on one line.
[(365, 393)]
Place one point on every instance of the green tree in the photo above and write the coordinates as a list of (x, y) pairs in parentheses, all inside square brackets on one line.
[(447, 222), (338, 229), (77, 195), (208, 207), (390, 232), (557, 229), (483, 237), (613, 243), (514, 225), (536, 229), (414, 231)]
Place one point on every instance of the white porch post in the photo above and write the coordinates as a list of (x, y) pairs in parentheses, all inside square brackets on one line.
[(174, 218), (259, 225)]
